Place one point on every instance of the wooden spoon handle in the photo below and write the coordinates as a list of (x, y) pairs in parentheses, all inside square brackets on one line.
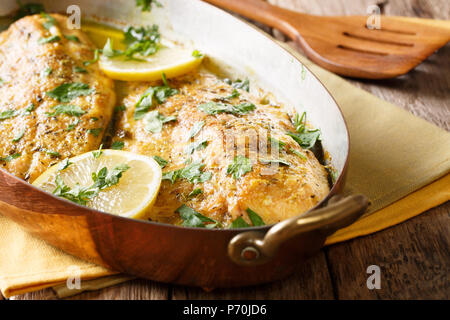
[(263, 12)]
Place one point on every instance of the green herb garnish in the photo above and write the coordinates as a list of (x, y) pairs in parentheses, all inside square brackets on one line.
[(50, 39), (95, 131), (52, 153), (146, 5), (194, 193), (64, 164), (19, 136), (280, 161), (197, 54), (96, 154), (10, 157), (239, 167), (96, 57), (239, 223), (78, 69), (49, 21), (70, 110), (192, 218), (108, 50), (46, 72), (191, 173), (234, 94), (142, 41), (151, 97), (275, 143), (162, 163), (71, 38), (254, 218), (239, 84), (196, 146), (298, 153), (28, 109), (155, 121), (305, 137), (8, 114), (213, 108), (117, 145), (72, 125), (196, 129), (69, 91)]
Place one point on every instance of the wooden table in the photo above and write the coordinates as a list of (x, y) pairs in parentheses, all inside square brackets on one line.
[(414, 256)]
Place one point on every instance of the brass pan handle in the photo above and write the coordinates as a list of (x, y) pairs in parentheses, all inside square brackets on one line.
[(254, 247)]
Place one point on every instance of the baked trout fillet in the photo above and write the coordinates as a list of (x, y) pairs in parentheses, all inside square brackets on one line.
[(55, 103), (223, 153)]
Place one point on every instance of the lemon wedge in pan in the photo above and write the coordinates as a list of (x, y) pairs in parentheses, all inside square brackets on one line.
[(171, 59), (127, 187)]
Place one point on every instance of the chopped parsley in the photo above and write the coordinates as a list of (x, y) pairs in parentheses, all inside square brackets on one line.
[(117, 145), (239, 84), (108, 50), (275, 143), (78, 69), (10, 157), (70, 110), (197, 54), (191, 173), (52, 153), (196, 146), (162, 163), (49, 21), (305, 137), (146, 5), (239, 167), (254, 218), (50, 39), (155, 120), (102, 180), (142, 41), (213, 108), (73, 124), (95, 131), (195, 193), (234, 94), (96, 57), (28, 109), (63, 165), (69, 91), (96, 154), (71, 38), (279, 161), (192, 218), (19, 136), (196, 129), (46, 72), (298, 153), (151, 97), (8, 114)]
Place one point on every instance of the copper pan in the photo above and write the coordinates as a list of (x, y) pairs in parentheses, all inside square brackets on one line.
[(195, 256)]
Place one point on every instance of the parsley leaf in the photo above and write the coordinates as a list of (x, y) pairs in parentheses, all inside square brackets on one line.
[(239, 167), (71, 38), (255, 218), (196, 146), (46, 72), (146, 5), (28, 109), (10, 157), (151, 97), (197, 54), (117, 145), (52, 153), (69, 91), (195, 193), (298, 153), (96, 154), (143, 41), (239, 223), (234, 94), (19, 136), (275, 143), (191, 173), (280, 161), (8, 114), (155, 121), (96, 57), (305, 137), (72, 125), (108, 50), (78, 69), (192, 218), (64, 164), (196, 129), (239, 84), (95, 131), (70, 110), (48, 39), (162, 163), (213, 108), (49, 21)]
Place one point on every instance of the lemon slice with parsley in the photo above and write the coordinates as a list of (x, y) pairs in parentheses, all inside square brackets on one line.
[(140, 54), (113, 181)]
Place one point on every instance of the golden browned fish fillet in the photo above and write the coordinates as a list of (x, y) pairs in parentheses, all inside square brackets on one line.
[(274, 192), (38, 54)]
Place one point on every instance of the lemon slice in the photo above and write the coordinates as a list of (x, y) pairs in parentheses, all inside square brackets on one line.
[(171, 59), (132, 196)]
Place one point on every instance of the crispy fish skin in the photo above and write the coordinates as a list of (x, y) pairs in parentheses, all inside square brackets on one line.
[(275, 192), (24, 69)]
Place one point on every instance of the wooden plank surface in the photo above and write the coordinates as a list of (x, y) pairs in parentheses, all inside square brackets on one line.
[(414, 256)]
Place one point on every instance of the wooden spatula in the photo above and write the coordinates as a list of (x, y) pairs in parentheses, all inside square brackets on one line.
[(345, 45)]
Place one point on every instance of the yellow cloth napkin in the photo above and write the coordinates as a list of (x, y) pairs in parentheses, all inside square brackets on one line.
[(393, 154)]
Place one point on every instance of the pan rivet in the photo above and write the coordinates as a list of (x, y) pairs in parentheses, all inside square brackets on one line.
[(249, 253)]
